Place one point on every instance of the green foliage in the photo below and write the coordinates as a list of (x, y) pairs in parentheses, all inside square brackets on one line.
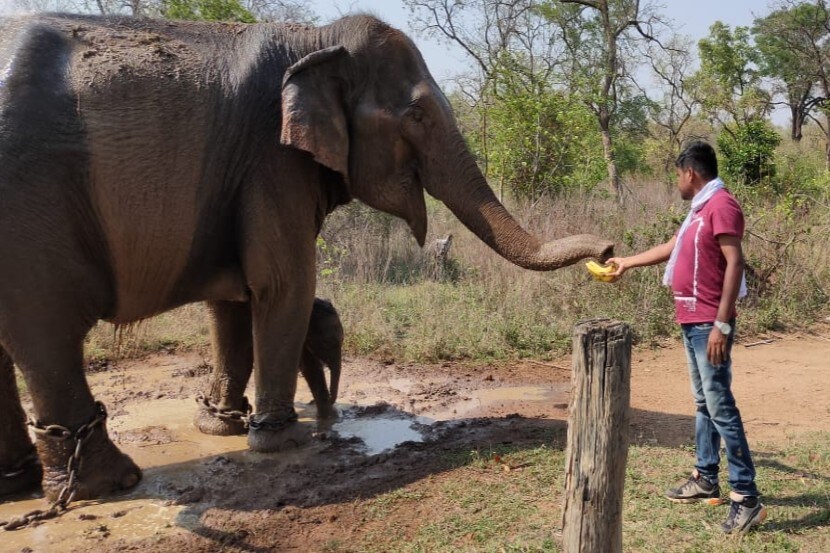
[(207, 10), (729, 81), (538, 142), (786, 41), (729, 56), (748, 152)]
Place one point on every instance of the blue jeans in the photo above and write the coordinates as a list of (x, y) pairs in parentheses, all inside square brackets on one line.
[(717, 415)]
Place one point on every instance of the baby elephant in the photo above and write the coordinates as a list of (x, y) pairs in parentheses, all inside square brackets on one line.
[(323, 346)]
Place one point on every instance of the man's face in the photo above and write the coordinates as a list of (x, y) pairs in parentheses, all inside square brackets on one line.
[(685, 179)]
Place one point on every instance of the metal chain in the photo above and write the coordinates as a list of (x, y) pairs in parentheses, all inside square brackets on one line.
[(227, 414), (246, 417), (272, 425), (73, 466)]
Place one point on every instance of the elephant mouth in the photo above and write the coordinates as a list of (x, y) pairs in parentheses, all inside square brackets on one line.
[(416, 212)]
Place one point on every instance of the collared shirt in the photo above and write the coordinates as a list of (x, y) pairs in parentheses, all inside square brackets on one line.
[(697, 281)]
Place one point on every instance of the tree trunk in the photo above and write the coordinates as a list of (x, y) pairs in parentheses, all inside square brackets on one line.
[(797, 120), (827, 144), (610, 159), (597, 438)]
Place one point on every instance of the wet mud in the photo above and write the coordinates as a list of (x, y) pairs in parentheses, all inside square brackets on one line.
[(395, 425)]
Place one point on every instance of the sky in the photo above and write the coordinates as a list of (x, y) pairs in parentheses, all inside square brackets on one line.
[(445, 61), (691, 17)]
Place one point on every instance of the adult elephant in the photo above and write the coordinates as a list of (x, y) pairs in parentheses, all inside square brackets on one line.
[(147, 164)]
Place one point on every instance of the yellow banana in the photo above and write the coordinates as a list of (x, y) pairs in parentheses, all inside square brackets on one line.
[(601, 272)]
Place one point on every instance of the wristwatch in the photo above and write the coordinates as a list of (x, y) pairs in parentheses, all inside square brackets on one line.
[(724, 328)]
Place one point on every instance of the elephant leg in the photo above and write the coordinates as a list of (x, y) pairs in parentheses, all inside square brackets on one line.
[(20, 468), (334, 372), (47, 344), (312, 370), (232, 339), (279, 332)]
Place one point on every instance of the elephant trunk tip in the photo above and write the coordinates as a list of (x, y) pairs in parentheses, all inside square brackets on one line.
[(606, 251), (569, 250)]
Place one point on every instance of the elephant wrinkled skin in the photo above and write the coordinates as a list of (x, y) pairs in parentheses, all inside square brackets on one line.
[(147, 164)]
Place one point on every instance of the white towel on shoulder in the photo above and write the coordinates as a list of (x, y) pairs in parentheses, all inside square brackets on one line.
[(704, 195)]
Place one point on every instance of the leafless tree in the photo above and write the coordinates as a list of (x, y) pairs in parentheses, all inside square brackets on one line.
[(672, 67), (602, 62), (292, 11), (505, 39)]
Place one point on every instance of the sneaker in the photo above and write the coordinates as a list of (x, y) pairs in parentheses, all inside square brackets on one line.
[(696, 488), (743, 515)]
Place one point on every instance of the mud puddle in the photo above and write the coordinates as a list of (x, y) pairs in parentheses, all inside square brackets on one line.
[(380, 433), (185, 472)]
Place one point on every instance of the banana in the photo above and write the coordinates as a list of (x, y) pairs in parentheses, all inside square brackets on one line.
[(601, 272)]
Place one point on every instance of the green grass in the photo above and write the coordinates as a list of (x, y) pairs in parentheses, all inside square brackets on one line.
[(477, 506)]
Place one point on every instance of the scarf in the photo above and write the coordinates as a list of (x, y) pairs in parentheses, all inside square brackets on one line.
[(704, 195)]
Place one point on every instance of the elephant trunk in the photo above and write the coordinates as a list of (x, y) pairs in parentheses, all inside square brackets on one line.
[(474, 203)]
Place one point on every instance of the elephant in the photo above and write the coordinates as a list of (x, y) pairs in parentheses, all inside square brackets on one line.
[(323, 346), (147, 164)]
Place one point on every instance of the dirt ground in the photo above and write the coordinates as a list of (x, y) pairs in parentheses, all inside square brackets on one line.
[(206, 493)]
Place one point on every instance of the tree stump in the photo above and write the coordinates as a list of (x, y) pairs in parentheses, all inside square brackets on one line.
[(597, 438)]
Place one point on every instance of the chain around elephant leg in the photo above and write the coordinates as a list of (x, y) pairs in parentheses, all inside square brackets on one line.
[(104, 470), (270, 432), (72, 485), (214, 420)]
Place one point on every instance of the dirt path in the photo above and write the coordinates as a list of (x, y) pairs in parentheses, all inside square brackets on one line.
[(201, 493)]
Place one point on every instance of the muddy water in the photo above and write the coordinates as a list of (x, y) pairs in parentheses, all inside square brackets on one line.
[(380, 433), (159, 435)]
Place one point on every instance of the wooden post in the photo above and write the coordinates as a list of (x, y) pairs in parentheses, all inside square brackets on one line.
[(597, 438)]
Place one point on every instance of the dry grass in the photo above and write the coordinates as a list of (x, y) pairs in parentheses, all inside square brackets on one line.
[(180, 329), (396, 304)]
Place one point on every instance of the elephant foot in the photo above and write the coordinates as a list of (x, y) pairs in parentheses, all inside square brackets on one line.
[(208, 423), (99, 467), (326, 412), (24, 477), (212, 420), (267, 435), (104, 469)]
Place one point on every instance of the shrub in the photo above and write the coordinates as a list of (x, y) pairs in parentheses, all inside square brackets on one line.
[(748, 153)]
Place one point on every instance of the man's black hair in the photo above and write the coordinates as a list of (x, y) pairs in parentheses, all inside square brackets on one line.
[(700, 157)]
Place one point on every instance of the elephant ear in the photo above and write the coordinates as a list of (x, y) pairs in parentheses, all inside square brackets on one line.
[(313, 115)]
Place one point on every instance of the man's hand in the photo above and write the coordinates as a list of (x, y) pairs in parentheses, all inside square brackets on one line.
[(621, 264), (716, 347)]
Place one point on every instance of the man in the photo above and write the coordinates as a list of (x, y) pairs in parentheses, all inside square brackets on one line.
[(706, 273)]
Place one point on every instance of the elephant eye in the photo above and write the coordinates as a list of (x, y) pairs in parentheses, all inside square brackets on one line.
[(416, 113)]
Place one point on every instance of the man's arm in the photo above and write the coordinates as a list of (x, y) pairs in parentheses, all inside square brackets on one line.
[(730, 246), (655, 255)]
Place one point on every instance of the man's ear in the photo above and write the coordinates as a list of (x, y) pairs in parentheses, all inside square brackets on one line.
[(313, 111)]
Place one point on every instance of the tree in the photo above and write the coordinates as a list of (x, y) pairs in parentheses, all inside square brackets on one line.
[(206, 10), (729, 79), (679, 96), (295, 11), (529, 134), (289, 11), (793, 42), (601, 39)]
